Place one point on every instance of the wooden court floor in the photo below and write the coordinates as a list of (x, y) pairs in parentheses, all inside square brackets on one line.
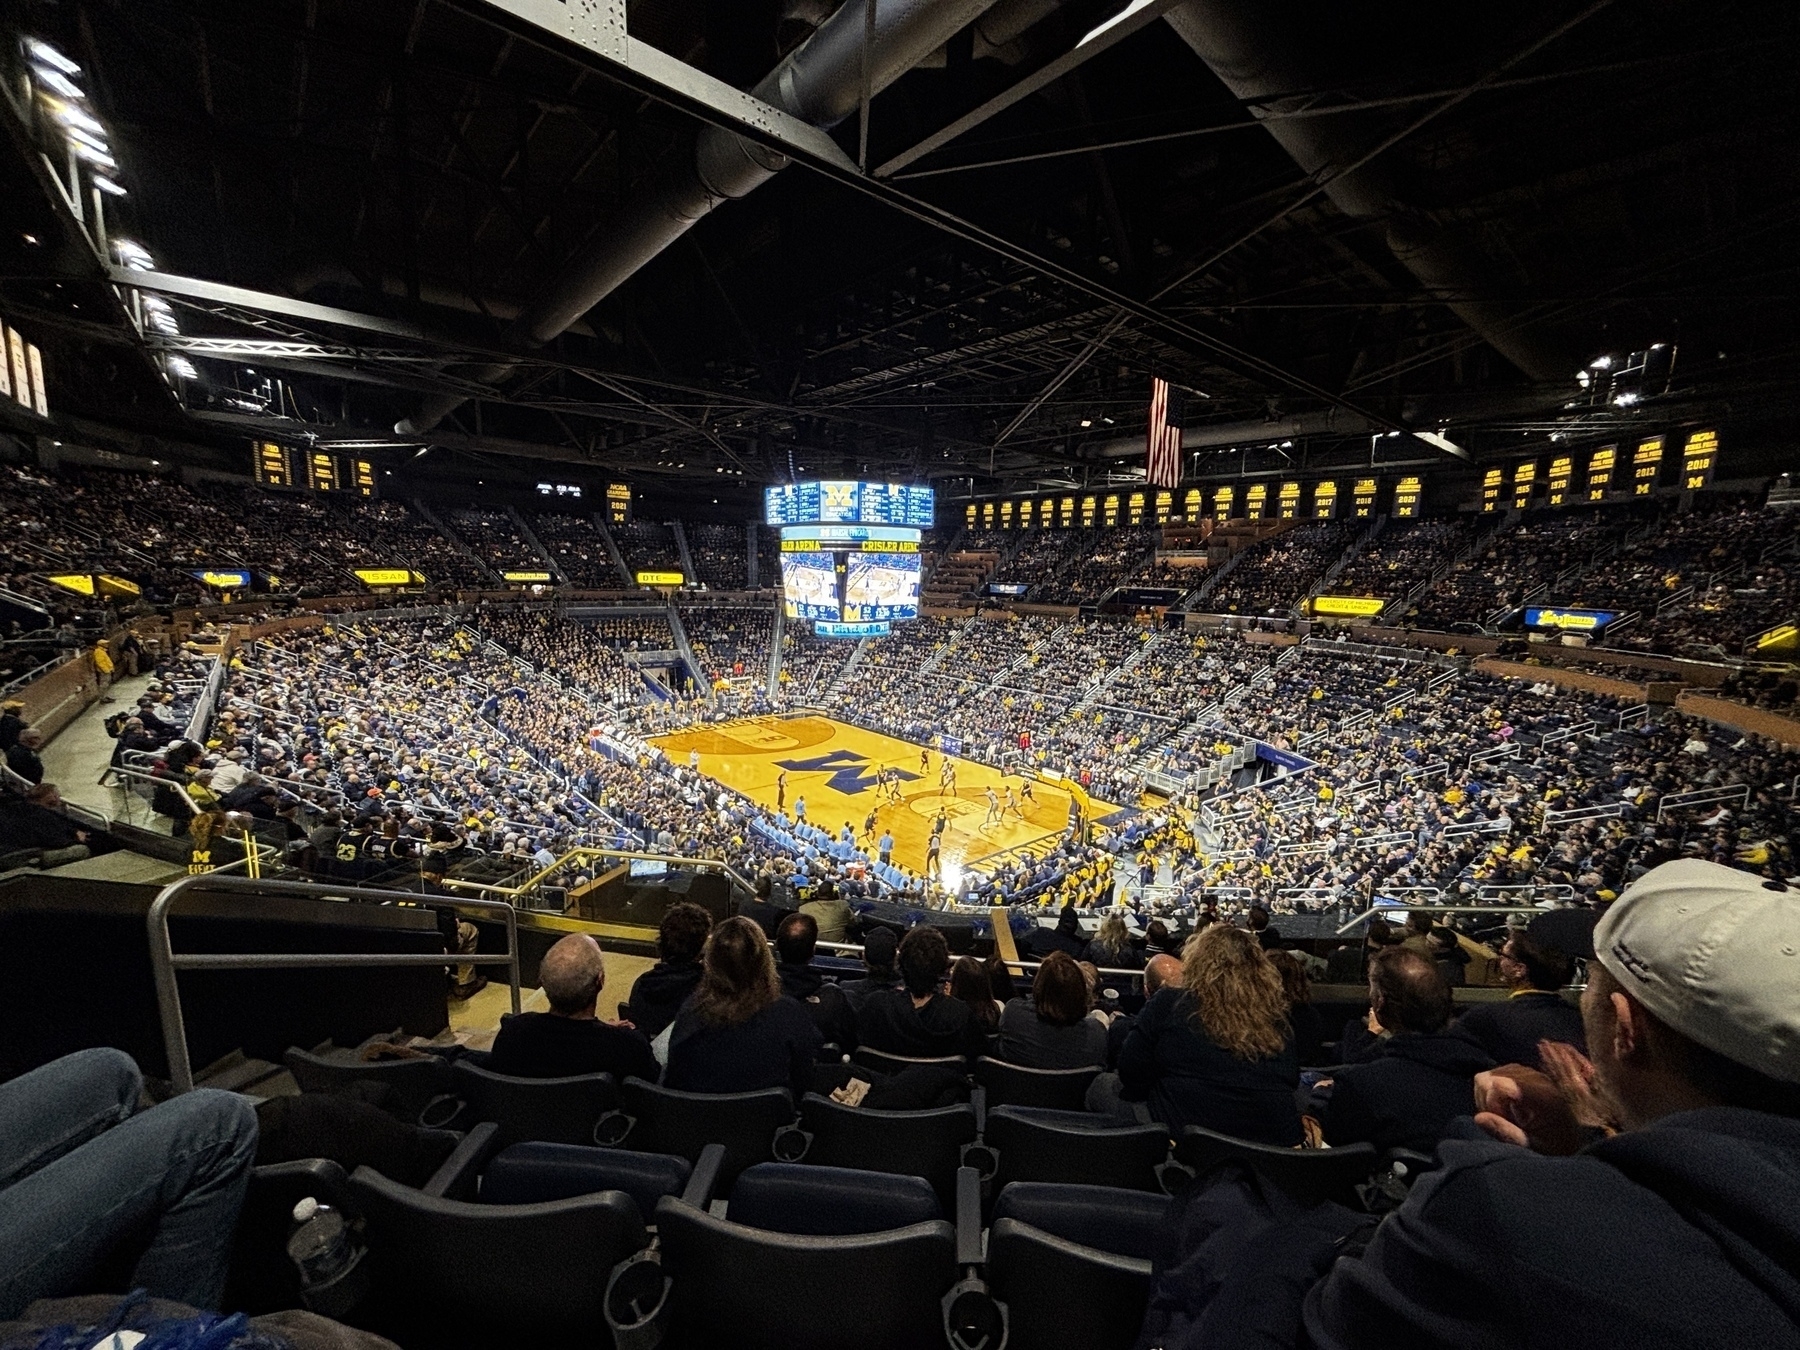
[(833, 766)]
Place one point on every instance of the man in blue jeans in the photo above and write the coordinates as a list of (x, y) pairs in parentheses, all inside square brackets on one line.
[(82, 1172)]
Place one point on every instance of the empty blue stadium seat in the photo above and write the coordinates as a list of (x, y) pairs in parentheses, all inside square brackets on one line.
[(529, 1174), (829, 1201)]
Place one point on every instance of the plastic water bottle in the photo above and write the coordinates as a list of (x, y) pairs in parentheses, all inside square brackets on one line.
[(325, 1253)]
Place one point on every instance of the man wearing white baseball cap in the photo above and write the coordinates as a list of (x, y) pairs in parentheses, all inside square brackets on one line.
[(1680, 1225), (1677, 1226)]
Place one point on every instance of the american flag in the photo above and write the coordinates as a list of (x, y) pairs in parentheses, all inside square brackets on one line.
[(1162, 464)]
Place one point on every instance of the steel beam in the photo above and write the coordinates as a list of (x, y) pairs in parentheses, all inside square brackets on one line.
[(598, 28), (1141, 14)]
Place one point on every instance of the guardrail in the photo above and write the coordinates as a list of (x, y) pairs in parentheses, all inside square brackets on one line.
[(165, 961), (1389, 840), (1464, 829), (584, 852), (1552, 890), (1299, 850), (1510, 750), (1380, 911), (1636, 715), (1738, 793), (1554, 820), (1568, 733)]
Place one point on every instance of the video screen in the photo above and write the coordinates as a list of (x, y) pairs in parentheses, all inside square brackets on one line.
[(809, 586), (880, 586)]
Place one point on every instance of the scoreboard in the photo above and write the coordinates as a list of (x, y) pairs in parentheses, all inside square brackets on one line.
[(833, 502), (285, 466)]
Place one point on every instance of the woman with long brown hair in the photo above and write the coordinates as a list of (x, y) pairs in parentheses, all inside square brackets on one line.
[(737, 1033), (1052, 1029), (1217, 1052)]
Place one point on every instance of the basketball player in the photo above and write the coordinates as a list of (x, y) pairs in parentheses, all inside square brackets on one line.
[(933, 868), (993, 811), (781, 791), (1025, 793), (947, 779), (924, 762), (1011, 804), (869, 824)]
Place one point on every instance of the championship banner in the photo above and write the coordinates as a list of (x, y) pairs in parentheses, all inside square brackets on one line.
[(1570, 620), (1347, 606)]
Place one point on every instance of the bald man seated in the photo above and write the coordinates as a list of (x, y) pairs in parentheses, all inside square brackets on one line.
[(1161, 969), (571, 1039)]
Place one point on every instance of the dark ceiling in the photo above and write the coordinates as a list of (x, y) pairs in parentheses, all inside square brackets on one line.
[(1606, 176)]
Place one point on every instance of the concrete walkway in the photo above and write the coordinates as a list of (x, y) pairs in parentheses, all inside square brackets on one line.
[(81, 751)]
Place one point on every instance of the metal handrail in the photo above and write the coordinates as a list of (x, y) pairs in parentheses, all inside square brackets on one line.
[(531, 883), (164, 961), (1376, 910)]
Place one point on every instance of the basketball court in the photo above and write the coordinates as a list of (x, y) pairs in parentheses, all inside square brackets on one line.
[(834, 767)]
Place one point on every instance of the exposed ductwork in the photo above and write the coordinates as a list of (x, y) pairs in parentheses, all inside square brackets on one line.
[(1242, 41), (820, 82)]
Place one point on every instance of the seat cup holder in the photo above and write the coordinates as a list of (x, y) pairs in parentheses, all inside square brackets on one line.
[(637, 1295), (973, 1318), (984, 1158), (442, 1109), (790, 1144), (613, 1129)]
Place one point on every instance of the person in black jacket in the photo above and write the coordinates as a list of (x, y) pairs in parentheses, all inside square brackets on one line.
[(1065, 937), (880, 946), (658, 994), (1218, 1052), (22, 758), (796, 939), (1534, 1012), (1424, 1075), (920, 1021), (737, 1033), (570, 1039)]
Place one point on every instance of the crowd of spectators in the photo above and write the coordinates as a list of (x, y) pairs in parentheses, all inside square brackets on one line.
[(579, 551), (495, 539), (719, 556), (647, 546), (1280, 572), (1403, 556), (1518, 560)]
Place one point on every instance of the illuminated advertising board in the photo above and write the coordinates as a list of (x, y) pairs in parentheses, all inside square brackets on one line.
[(652, 578), (1348, 606), (232, 580), (533, 578), (830, 629), (1569, 620), (388, 576)]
